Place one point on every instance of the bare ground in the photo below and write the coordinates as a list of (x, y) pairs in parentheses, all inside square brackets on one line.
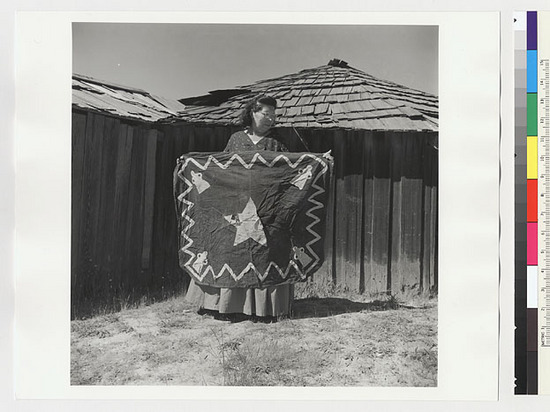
[(328, 342)]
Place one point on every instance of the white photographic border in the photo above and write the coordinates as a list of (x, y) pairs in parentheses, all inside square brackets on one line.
[(469, 83)]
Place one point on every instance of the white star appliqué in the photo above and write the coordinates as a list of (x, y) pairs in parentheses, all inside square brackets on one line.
[(248, 224)]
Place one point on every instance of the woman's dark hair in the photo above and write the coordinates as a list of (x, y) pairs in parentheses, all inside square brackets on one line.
[(253, 106)]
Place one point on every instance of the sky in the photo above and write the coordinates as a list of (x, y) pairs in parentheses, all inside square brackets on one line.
[(184, 60)]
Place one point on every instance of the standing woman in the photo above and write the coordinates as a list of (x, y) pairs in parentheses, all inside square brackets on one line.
[(266, 304)]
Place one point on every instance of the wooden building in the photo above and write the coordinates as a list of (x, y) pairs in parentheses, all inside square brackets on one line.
[(382, 221), (120, 226)]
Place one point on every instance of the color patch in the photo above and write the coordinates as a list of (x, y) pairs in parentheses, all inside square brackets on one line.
[(532, 330), (532, 151), (531, 71), (531, 30), (532, 200), (520, 23), (532, 120), (532, 373), (532, 290), (532, 242)]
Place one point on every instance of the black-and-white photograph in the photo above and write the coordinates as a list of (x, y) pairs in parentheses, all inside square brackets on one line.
[(254, 205)]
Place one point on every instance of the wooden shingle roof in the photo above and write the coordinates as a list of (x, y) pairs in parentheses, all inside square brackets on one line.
[(330, 96), (121, 101)]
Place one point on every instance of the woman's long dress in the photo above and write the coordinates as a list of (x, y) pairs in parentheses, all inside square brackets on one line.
[(270, 301)]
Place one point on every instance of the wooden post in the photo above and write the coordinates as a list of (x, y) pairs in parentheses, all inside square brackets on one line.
[(407, 215), (77, 203), (379, 279), (149, 198)]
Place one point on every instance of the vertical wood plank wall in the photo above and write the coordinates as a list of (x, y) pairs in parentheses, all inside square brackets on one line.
[(382, 230), (123, 234), (381, 234)]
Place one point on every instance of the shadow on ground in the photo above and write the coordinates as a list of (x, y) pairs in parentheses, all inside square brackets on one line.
[(324, 307)]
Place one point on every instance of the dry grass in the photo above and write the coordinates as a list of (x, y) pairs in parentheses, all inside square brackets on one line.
[(330, 341)]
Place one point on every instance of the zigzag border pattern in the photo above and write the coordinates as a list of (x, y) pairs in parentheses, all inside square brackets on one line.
[(272, 265)]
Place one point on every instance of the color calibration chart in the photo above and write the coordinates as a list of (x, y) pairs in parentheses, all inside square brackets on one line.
[(532, 194)]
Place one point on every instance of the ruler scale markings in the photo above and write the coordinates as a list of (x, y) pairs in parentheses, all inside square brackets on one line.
[(543, 130)]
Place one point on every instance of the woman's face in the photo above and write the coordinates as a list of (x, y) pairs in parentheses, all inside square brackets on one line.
[(264, 119)]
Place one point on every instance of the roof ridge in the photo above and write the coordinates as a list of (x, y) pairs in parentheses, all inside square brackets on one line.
[(92, 94), (331, 95), (389, 82), (107, 83), (348, 71)]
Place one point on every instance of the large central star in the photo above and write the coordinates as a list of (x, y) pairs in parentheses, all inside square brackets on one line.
[(248, 224)]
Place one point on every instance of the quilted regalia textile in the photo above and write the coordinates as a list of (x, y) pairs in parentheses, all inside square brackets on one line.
[(251, 219)]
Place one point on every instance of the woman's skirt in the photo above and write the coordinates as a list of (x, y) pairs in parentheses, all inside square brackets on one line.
[(270, 301)]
